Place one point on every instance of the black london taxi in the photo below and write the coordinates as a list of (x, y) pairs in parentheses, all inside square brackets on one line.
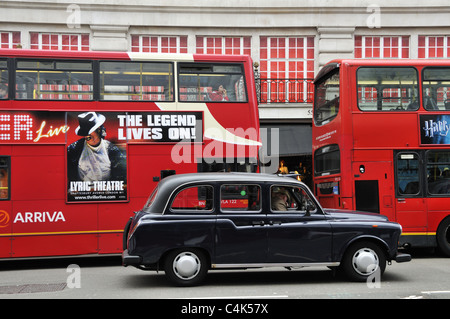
[(193, 223)]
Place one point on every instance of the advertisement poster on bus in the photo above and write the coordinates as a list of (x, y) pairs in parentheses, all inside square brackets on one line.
[(96, 143), (434, 129), (97, 152), (96, 159)]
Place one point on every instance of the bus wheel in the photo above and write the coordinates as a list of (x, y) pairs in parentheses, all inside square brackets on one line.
[(443, 236), (363, 260), (186, 267)]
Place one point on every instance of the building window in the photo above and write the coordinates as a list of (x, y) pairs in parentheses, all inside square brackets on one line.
[(159, 44), (56, 41), (224, 45), (434, 47), (9, 40), (286, 64), (382, 47)]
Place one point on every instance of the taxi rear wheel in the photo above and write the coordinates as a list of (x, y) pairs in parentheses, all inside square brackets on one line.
[(186, 267)]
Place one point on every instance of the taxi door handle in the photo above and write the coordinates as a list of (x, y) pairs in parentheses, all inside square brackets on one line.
[(258, 223)]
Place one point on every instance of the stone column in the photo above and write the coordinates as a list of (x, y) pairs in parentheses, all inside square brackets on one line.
[(335, 43), (109, 38)]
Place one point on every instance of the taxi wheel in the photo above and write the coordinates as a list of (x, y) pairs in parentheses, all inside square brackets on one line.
[(364, 261), (186, 267)]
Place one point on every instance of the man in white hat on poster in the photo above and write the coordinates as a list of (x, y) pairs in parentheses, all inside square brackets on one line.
[(93, 158)]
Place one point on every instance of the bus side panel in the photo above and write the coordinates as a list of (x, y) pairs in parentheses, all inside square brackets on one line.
[(111, 222), (47, 228), (38, 172), (151, 160), (438, 209), (54, 245), (5, 229)]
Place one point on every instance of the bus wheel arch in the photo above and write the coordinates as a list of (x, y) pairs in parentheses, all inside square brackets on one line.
[(443, 236)]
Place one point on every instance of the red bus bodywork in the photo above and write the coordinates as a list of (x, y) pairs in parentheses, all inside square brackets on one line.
[(42, 214), (373, 142)]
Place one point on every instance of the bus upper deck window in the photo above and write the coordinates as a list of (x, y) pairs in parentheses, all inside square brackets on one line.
[(136, 81), (436, 88), (387, 89), (326, 101), (54, 80), (3, 80), (211, 83)]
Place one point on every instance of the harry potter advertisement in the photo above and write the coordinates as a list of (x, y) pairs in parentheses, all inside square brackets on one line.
[(434, 129), (96, 143)]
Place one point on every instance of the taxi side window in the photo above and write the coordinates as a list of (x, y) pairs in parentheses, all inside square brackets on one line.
[(240, 198), (197, 198), (290, 198)]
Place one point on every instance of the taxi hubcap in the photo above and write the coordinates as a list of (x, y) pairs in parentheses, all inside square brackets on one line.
[(365, 261), (186, 265)]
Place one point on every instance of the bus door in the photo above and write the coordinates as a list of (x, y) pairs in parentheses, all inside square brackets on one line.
[(373, 187), (410, 204)]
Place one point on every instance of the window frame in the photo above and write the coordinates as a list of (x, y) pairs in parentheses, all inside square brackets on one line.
[(171, 82), (293, 210), (205, 71), (8, 169), (54, 61), (419, 193), (185, 211), (240, 211), (424, 97), (335, 71), (321, 152), (397, 108), (427, 164)]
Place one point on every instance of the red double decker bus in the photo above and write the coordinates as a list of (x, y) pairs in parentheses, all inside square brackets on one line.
[(85, 137), (381, 143)]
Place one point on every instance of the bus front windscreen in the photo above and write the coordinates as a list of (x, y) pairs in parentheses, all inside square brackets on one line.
[(326, 101)]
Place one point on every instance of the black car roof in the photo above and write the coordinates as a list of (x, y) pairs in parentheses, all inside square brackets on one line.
[(169, 184), (176, 180)]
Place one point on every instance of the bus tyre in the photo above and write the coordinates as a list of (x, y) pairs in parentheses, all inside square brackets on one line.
[(363, 261), (186, 267), (443, 237)]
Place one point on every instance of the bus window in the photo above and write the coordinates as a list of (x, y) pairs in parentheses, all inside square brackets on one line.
[(4, 178), (436, 87), (326, 99), (136, 81), (3, 79), (211, 82), (227, 165), (438, 172), (408, 181), (327, 160), (54, 80), (387, 89)]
